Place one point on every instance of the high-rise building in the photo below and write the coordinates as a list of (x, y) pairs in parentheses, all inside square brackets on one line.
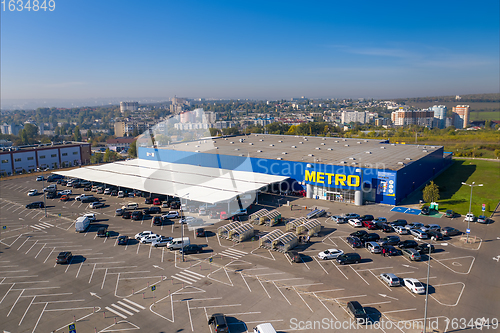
[(129, 106), (439, 114), (404, 117), (463, 112), (361, 117)]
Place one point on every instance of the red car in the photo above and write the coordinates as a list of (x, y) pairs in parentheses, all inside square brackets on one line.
[(369, 225), (156, 202), (65, 197)]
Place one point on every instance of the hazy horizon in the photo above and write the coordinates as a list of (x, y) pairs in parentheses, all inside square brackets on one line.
[(94, 50)]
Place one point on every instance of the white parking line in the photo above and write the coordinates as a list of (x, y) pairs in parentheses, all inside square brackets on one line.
[(337, 267), (359, 275), (303, 299), (321, 265), (115, 312), (286, 299), (31, 247), (27, 238)]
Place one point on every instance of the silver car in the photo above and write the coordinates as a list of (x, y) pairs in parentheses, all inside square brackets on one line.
[(391, 279), (418, 234)]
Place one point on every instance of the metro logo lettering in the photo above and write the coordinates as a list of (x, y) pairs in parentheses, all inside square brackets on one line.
[(328, 178)]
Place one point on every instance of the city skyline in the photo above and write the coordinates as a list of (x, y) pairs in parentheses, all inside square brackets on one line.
[(248, 50)]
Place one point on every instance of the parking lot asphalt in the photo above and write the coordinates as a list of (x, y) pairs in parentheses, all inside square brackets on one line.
[(108, 287)]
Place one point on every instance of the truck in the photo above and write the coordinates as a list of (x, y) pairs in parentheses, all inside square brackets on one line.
[(82, 223)]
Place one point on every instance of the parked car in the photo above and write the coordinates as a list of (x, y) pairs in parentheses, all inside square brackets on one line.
[(152, 210), (424, 248), (425, 210), (32, 192), (219, 323), (389, 250), (65, 192), (373, 247), (358, 233), (434, 235), (148, 201), (482, 219), (385, 227), (417, 233), (371, 237), (162, 241), (122, 240), (349, 258), (411, 254), (191, 249), (400, 230), (156, 201), (36, 204), (414, 285), (137, 215), (352, 216), (82, 196), (427, 227), (157, 220), (87, 188), (294, 256), (330, 254), (171, 215), (149, 238), (356, 223), (200, 232), (366, 218), (89, 199), (126, 214), (114, 193), (469, 217), (380, 219), (414, 225), (391, 279), (64, 198), (51, 195), (406, 244), (389, 240), (64, 257), (107, 191), (449, 231), (369, 224), (202, 211), (95, 205), (139, 235), (100, 190), (39, 178), (450, 214), (339, 219), (354, 242), (357, 311), (119, 212), (399, 222), (102, 232)]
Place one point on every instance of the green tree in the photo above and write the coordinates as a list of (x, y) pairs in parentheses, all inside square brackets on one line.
[(214, 131), (132, 150), (497, 153), (431, 192), (90, 135), (77, 136), (108, 156)]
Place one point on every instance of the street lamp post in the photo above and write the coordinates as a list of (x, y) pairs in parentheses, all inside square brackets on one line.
[(43, 190), (470, 206), (427, 283)]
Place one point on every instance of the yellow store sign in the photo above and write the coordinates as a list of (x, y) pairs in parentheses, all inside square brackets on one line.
[(332, 179)]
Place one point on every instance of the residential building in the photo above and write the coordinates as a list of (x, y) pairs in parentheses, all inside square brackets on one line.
[(404, 117), (129, 106), (463, 112), (439, 114), (361, 117), (10, 129), (118, 144)]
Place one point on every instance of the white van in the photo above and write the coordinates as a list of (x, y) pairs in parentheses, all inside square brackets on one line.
[(131, 206), (82, 223), (177, 243), (264, 328)]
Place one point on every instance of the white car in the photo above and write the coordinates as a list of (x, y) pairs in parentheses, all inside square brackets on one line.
[(142, 234), (330, 254), (170, 215), (149, 238), (32, 192), (470, 217), (162, 241), (417, 233), (355, 223), (65, 192), (414, 225), (202, 211), (165, 204), (414, 285), (39, 178), (96, 204), (187, 219), (121, 194), (81, 196), (428, 227), (107, 191), (90, 216), (400, 230)]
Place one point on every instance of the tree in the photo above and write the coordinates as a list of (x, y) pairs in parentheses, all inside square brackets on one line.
[(431, 192), (132, 150), (77, 136), (497, 153), (108, 156), (90, 135)]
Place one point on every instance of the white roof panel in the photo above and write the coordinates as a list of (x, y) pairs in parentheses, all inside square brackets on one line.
[(186, 181)]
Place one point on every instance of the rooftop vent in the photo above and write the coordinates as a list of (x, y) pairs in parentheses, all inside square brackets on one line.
[(344, 140), (196, 151), (337, 141), (359, 143), (352, 158), (284, 153), (382, 147), (231, 142), (354, 163), (309, 165), (318, 148), (236, 148), (310, 155), (425, 150), (330, 149), (294, 146), (342, 162), (346, 145), (271, 145), (259, 151), (261, 140), (408, 159), (400, 163), (197, 146), (322, 143), (280, 140), (251, 144), (368, 152), (242, 155), (323, 139), (301, 142), (279, 158)]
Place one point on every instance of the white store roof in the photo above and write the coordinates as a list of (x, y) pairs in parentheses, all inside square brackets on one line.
[(182, 180)]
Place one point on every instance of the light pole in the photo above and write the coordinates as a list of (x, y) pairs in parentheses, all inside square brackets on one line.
[(43, 190), (427, 283), (470, 206), (182, 225)]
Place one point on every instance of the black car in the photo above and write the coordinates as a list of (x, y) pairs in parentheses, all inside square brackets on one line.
[(354, 241), (389, 250), (137, 215), (64, 257), (348, 258), (371, 237), (425, 210), (367, 218), (87, 188), (358, 233), (399, 222), (449, 231), (219, 323), (157, 220), (152, 210), (114, 193), (294, 256), (175, 205), (407, 244), (192, 248), (389, 240), (200, 232), (424, 248), (148, 201), (122, 240), (36, 204), (384, 227), (449, 213), (357, 311), (434, 235), (89, 199), (102, 232), (52, 195), (126, 214)]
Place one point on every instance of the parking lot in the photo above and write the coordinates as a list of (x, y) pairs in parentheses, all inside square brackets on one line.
[(109, 287)]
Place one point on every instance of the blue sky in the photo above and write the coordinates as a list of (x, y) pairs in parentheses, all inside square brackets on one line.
[(250, 49)]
